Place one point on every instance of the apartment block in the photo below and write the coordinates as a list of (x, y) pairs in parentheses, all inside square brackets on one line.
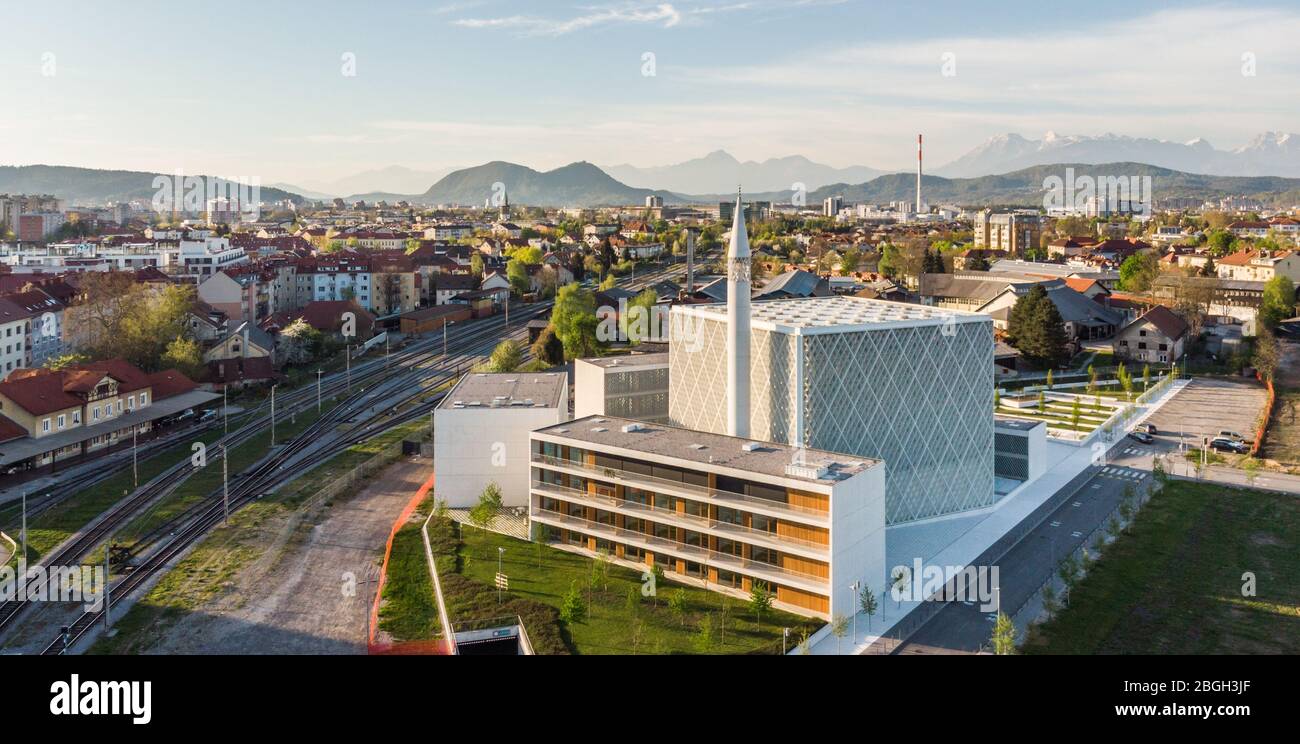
[(714, 510)]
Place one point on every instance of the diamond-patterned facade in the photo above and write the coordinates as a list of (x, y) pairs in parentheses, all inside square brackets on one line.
[(918, 397)]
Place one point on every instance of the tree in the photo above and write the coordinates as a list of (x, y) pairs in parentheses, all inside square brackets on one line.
[(1049, 379), (704, 641), (898, 581), (1035, 327), (1251, 466), (867, 601), (1074, 414), (517, 274), (574, 319), (185, 355), (760, 600), (548, 349), (1278, 302), (476, 265), (635, 323), (1267, 354), (506, 357), (298, 343), (1138, 271), (1208, 268), (677, 605), (484, 513), (572, 608), (1004, 636), (839, 629), (1050, 603)]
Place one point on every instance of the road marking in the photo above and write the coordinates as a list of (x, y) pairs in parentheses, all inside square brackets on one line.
[(1076, 534), (1095, 486), (1056, 524), (1078, 504)]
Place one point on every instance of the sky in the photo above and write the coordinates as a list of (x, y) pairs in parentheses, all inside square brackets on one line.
[(309, 92)]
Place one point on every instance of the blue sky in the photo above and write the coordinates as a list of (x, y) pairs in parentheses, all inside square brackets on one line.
[(257, 88)]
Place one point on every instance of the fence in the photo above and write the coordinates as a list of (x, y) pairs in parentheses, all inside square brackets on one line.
[(407, 511)]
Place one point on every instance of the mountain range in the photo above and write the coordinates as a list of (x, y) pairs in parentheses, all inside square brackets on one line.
[(1268, 154), (394, 179), (89, 186), (720, 172)]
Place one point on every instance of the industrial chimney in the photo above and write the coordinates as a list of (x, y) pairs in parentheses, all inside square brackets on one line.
[(918, 174)]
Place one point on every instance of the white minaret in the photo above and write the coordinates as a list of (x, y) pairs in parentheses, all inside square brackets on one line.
[(738, 290)]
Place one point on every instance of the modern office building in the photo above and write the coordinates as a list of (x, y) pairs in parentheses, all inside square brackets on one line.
[(907, 384), (481, 432), (715, 510), (633, 386)]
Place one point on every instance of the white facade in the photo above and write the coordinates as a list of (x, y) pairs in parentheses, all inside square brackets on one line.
[(203, 258), (481, 439), (633, 387)]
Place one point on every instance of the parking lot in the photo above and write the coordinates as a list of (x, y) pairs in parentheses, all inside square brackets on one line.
[(1207, 406)]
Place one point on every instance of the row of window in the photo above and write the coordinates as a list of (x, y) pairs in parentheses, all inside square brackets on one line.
[(105, 412)]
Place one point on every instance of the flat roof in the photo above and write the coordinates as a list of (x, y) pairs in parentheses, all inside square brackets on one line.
[(709, 449), (630, 361), (839, 314), (509, 389), (1017, 424)]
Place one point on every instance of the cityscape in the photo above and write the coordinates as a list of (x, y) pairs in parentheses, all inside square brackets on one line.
[(633, 329)]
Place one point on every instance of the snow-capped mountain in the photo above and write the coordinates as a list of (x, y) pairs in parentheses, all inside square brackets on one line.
[(1268, 154)]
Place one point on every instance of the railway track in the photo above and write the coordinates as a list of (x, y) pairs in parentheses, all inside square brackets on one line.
[(371, 379)]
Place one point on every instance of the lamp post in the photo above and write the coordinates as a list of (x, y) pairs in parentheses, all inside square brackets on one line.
[(319, 372), (853, 588), (785, 636), (444, 335), (500, 552), (225, 411), (273, 387)]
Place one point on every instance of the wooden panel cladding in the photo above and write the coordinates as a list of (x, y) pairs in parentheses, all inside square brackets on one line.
[(808, 500), (818, 535), (806, 600), (820, 569)]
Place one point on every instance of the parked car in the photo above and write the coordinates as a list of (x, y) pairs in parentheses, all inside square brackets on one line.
[(1138, 435), (1234, 436), (207, 415), (1220, 444), (1150, 429)]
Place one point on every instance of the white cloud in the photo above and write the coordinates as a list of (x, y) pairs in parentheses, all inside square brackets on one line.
[(664, 14)]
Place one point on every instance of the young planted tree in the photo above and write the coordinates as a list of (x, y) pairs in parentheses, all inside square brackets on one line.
[(839, 629), (760, 600), (1051, 604), (484, 513), (867, 601), (572, 608), (1004, 636), (1074, 414), (704, 640), (898, 582), (677, 605)]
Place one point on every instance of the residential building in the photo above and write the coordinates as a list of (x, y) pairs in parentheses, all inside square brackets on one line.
[(1013, 232), (724, 512), (1156, 337)]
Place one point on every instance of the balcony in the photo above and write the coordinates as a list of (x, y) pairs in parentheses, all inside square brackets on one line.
[(730, 499), (724, 561), (727, 530)]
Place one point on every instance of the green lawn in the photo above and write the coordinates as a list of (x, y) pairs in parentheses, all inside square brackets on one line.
[(1173, 583), (619, 619)]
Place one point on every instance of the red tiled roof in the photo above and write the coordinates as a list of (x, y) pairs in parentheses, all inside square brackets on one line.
[(170, 382)]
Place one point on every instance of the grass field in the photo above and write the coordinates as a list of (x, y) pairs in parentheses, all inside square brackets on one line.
[(1173, 584), (619, 620)]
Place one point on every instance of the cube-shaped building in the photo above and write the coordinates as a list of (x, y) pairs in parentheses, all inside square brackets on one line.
[(908, 384)]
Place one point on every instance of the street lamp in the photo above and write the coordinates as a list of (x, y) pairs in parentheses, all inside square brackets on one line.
[(273, 387), (853, 596), (500, 552), (785, 636), (319, 372)]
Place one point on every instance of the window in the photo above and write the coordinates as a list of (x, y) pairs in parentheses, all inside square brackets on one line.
[(45, 426), (144, 399), (76, 416), (63, 420), (94, 416)]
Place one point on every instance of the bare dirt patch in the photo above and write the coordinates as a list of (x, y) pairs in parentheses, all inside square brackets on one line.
[(308, 585)]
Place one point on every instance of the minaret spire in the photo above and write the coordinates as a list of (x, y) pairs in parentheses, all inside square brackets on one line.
[(738, 333)]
